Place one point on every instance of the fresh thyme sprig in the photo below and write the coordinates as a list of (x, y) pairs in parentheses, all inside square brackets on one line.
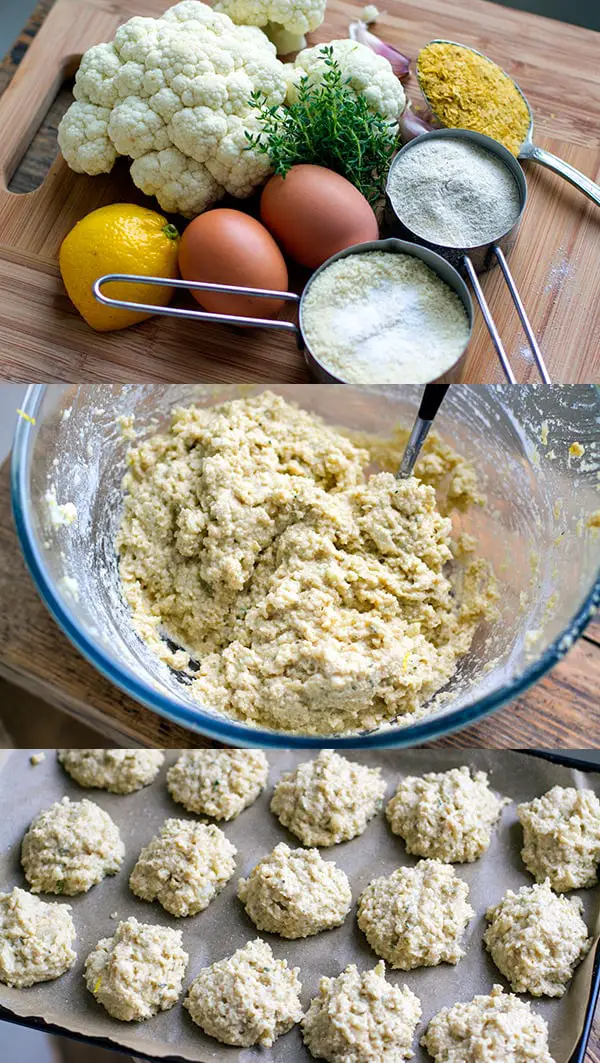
[(329, 125)]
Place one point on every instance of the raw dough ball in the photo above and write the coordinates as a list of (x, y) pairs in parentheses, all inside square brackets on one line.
[(247, 999), (218, 782), (329, 799), (416, 916), (184, 867), (70, 847), (446, 816), (361, 1018), (35, 939), (119, 770), (561, 833), (498, 1028), (295, 893), (137, 972), (537, 939)]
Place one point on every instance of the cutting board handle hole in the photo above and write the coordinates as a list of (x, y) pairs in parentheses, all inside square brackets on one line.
[(42, 150)]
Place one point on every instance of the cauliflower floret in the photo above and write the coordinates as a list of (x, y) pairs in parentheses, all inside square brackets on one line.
[(370, 75), (284, 21), (180, 184), (135, 129), (173, 94), (96, 76), (84, 139), (239, 171)]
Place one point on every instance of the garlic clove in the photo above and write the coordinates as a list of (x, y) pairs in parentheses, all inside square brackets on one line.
[(400, 64)]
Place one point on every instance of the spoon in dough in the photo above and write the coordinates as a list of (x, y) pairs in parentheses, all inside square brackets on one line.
[(529, 150), (431, 400)]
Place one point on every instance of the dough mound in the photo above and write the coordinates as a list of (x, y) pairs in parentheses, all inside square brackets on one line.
[(218, 782), (70, 847), (184, 867), (295, 893), (329, 799), (498, 1028), (35, 939), (445, 816), (312, 599), (561, 834), (537, 939), (361, 1018), (249, 998), (137, 972), (119, 770), (416, 916)]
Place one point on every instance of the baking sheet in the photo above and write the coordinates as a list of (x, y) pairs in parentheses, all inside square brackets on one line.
[(224, 926)]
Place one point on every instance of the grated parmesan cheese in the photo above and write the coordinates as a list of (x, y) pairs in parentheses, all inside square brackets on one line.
[(383, 318)]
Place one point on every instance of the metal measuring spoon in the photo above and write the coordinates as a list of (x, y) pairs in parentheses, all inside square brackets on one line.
[(431, 400), (528, 149)]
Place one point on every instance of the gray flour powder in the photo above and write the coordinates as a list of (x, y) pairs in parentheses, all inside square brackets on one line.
[(454, 193)]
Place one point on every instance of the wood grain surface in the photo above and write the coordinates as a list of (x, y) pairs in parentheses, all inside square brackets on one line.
[(555, 261)]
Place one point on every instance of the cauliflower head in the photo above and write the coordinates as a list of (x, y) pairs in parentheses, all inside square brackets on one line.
[(370, 75), (173, 94), (284, 21)]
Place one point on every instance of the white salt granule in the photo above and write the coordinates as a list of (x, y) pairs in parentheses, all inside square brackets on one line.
[(383, 318), (454, 193)]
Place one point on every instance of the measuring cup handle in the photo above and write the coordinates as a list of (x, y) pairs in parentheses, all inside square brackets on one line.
[(196, 315), (564, 169), (487, 317)]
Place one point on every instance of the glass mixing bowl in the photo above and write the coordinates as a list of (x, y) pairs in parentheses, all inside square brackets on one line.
[(533, 529)]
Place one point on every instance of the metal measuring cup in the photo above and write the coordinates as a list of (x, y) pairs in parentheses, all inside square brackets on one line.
[(438, 264), (528, 149), (476, 259)]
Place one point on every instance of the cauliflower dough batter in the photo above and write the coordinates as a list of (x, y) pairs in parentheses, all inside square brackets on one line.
[(70, 847), (306, 597), (416, 916), (184, 867), (121, 771), (561, 835), (447, 815), (137, 972), (249, 998), (498, 1028), (295, 893), (36, 939), (329, 799), (537, 939), (218, 782), (361, 1018)]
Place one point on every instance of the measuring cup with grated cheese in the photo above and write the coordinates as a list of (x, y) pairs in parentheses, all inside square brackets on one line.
[(383, 317)]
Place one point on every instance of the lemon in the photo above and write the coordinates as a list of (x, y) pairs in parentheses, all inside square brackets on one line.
[(120, 238)]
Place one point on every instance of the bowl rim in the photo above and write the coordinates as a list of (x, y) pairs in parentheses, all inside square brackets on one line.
[(229, 731)]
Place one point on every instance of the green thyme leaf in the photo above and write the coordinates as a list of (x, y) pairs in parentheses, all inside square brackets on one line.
[(329, 125)]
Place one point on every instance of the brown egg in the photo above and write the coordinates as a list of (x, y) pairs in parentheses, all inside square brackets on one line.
[(229, 247), (314, 212)]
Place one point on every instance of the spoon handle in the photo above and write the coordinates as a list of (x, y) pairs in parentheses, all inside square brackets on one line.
[(431, 400), (564, 169)]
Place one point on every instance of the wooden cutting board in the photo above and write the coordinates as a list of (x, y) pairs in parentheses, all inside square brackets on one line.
[(555, 261)]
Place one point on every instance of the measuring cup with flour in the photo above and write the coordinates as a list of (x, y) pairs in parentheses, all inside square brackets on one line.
[(463, 195), (527, 149), (381, 312)]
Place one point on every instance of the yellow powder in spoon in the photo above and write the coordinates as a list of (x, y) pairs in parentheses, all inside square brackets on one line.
[(467, 91)]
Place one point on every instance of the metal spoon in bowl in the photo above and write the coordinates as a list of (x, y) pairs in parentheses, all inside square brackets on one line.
[(528, 149), (431, 400)]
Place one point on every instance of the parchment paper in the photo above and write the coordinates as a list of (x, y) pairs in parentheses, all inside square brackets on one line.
[(224, 926)]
